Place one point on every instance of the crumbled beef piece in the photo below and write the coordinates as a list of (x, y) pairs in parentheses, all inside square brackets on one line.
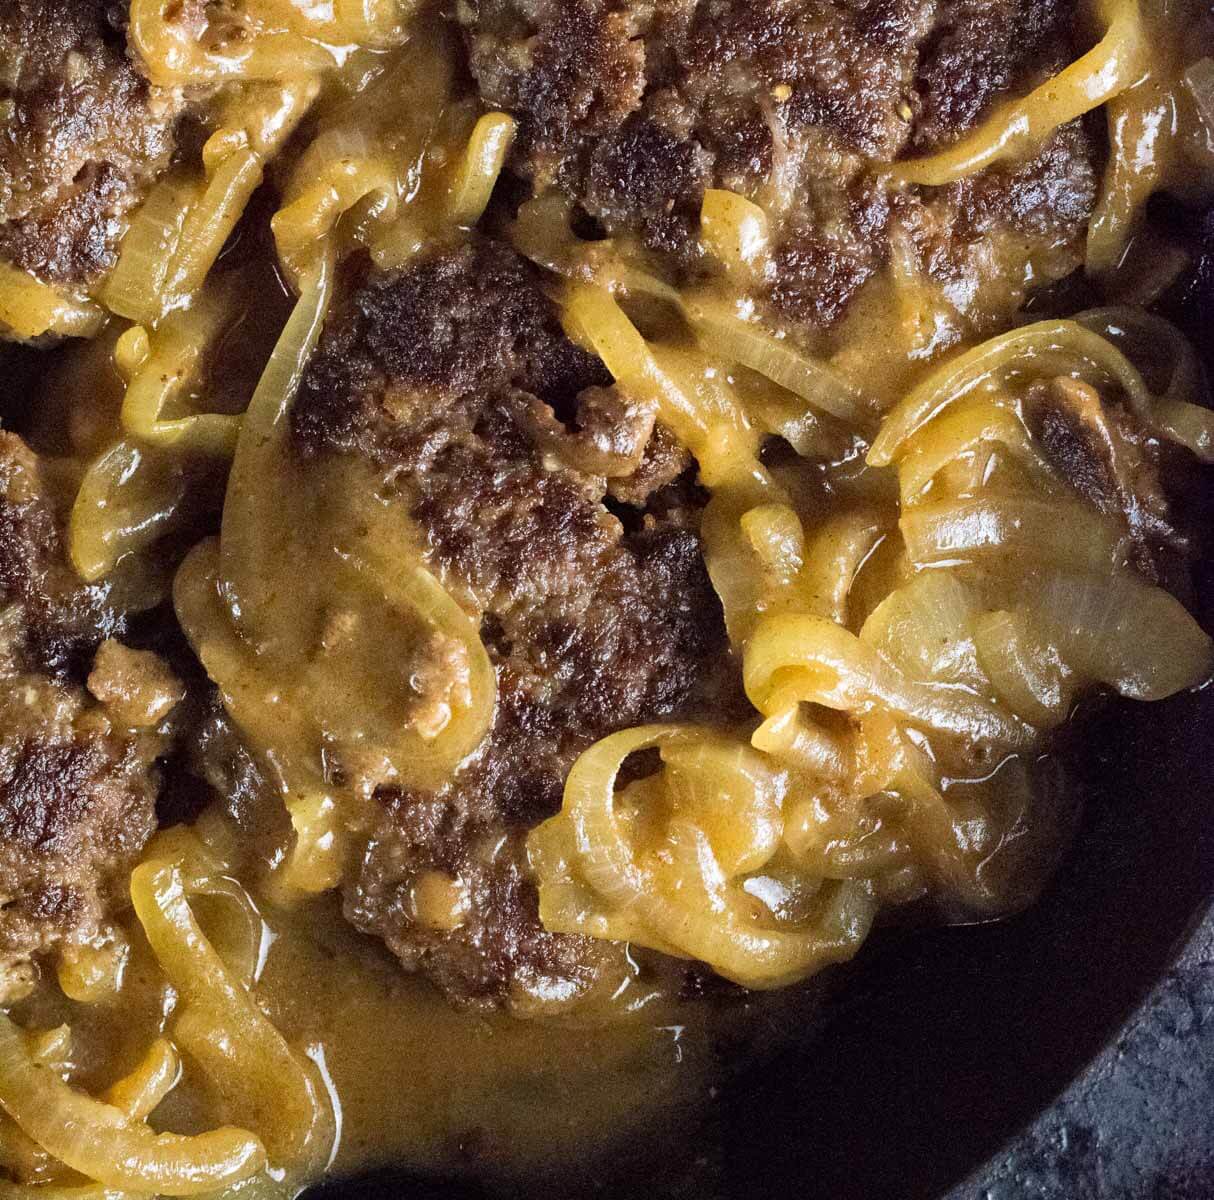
[(665, 460), (1101, 450), (58, 622), (82, 134), (1052, 192), (77, 804), (137, 687), (635, 108), (77, 796), (1039, 206), (433, 373)]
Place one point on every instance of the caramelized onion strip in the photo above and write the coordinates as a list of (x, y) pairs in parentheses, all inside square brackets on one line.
[(697, 912), (262, 1076), (821, 663), (103, 1143), (30, 308), (1047, 348)]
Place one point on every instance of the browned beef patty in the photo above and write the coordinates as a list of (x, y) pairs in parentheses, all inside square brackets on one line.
[(446, 374), (634, 108), (77, 794), (81, 135)]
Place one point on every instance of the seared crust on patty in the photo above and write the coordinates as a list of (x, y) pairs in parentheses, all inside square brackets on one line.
[(434, 373), (77, 794), (82, 134), (633, 109)]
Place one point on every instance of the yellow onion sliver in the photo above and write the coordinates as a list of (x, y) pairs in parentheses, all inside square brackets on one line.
[(138, 1092), (822, 663), (248, 544), (1121, 631), (266, 1077), (734, 230), (954, 434), (725, 939), (1020, 529), (102, 1143), (85, 1191), (127, 499), (1060, 346), (745, 342), (1029, 676), (31, 308), (733, 794), (1108, 69), (1177, 409), (480, 166), (922, 628)]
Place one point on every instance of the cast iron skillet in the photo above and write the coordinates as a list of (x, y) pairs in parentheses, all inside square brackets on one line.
[(944, 1043)]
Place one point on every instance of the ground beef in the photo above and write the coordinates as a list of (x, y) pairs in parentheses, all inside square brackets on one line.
[(53, 623), (434, 373), (77, 794), (81, 135), (976, 50), (1101, 449), (633, 108)]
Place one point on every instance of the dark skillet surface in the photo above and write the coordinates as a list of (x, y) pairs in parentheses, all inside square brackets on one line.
[(1137, 1123), (1064, 1054)]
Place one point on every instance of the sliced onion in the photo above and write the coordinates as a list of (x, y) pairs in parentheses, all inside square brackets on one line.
[(1116, 63), (102, 1143), (733, 794), (210, 223), (1011, 531), (791, 738), (30, 308), (922, 629), (1046, 348), (257, 1070), (249, 538), (724, 333), (568, 904), (1120, 631), (1028, 675), (376, 23), (85, 1191), (712, 928), (833, 558), (135, 288), (947, 438), (172, 56), (302, 227), (127, 499), (480, 166), (176, 352), (821, 663), (735, 231), (138, 1093), (1178, 405)]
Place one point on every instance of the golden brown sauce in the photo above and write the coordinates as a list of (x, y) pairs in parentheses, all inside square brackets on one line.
[(411, 1080)]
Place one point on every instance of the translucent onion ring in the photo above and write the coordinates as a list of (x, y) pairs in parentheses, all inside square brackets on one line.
[(734, 946), (1059, 347), (103, 1143), (822, 663)]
